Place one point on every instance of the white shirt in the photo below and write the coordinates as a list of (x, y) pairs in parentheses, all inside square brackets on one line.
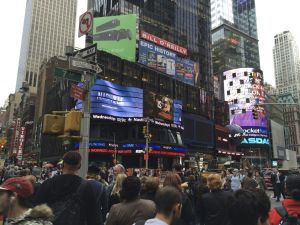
[(155, 221)]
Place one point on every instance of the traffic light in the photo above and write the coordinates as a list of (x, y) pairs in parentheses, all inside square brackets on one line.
[(53, 124), (255, 113), (145, 131), (73, 121)]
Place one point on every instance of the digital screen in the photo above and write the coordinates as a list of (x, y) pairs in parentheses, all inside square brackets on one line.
[(274, 163), (121, 102), (168, 62), (244, 91), (115, 100), (163, 107), (116, 35)]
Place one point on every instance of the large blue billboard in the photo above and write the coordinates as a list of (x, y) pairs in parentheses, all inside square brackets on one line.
[(111, 99), (168, 62), (115, 100)]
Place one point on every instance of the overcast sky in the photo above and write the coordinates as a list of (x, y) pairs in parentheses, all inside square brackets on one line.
[(273, 16)]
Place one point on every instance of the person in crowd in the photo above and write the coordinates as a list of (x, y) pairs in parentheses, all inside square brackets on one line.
[(168, 206), (132, 208), (213, 205), (260, 181), (249, 207), (143, 180), (15, 205), (236, 180), (99, 190), (191, 190), (115, 196), (117, 169), (10, 172), (273, 180), (103, 178), (279, 185), (290, 208), (202, 189), (71, 198), (151, 187), (187, 214), (226, 180), (177, 168), (36, 171), (249, 182)]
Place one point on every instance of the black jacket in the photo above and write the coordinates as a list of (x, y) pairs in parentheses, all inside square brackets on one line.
[(213, 208), (58, 187), (187, 212)]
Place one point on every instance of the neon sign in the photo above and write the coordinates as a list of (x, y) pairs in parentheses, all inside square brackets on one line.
[(258, 141)]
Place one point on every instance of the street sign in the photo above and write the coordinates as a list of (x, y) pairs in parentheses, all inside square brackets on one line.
[(87, 52), (59, 72), (77, 92), (85, 23), (81, 64)]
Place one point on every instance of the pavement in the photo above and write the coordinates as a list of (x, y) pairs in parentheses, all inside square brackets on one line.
[(274, 203)]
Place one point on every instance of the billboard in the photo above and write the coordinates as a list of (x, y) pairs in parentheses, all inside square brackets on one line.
[(116, 35), (243, 89), (168, 62), (162, 107), (115, 100)]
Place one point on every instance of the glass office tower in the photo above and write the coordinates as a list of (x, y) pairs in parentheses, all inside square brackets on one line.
[(183, 22), (234, 35)]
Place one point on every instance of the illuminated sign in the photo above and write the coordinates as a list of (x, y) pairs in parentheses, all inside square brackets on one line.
[(111, 151), (243, 89), (163, 43), (21, 143), (258, 141), (137, 120)]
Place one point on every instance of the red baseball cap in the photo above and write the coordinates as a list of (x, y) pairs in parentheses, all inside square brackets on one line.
[(20, 185)]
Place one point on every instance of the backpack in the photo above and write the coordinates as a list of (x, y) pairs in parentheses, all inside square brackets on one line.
[(286, 219), (68, 211)]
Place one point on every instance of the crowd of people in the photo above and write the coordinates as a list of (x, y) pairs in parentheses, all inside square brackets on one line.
[(38, 196)]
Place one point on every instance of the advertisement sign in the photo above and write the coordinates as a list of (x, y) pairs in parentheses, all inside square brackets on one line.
[(162, 107), (243, 90), (157, 57), (21, 143), (186, 70), (168, 62), (116, 35), (163, 43), (115, 100)]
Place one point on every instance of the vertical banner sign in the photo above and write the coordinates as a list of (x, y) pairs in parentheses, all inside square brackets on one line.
[(16, 138), (21, 143)]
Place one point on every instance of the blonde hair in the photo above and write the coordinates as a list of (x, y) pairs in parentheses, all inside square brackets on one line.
[(214, 182), (118, 185)]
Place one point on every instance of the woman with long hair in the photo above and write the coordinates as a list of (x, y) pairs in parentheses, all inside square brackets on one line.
[(115, 197)]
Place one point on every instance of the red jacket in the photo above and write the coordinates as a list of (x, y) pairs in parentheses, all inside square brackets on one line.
[(291, 206)]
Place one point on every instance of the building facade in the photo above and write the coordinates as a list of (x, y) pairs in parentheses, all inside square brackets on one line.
[(49, 26), (286, 64), (234, 36), (182, 22)]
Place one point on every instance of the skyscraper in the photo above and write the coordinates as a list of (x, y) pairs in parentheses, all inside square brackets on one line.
[(286, 64), (234, 35), (48, 27)]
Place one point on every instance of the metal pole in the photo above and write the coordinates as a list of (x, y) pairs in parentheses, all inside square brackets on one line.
[(85, 133), (147, 143), (115, 152)]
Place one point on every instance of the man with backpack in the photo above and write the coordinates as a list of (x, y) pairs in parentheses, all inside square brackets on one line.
[(289, 212), (71, 198)]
